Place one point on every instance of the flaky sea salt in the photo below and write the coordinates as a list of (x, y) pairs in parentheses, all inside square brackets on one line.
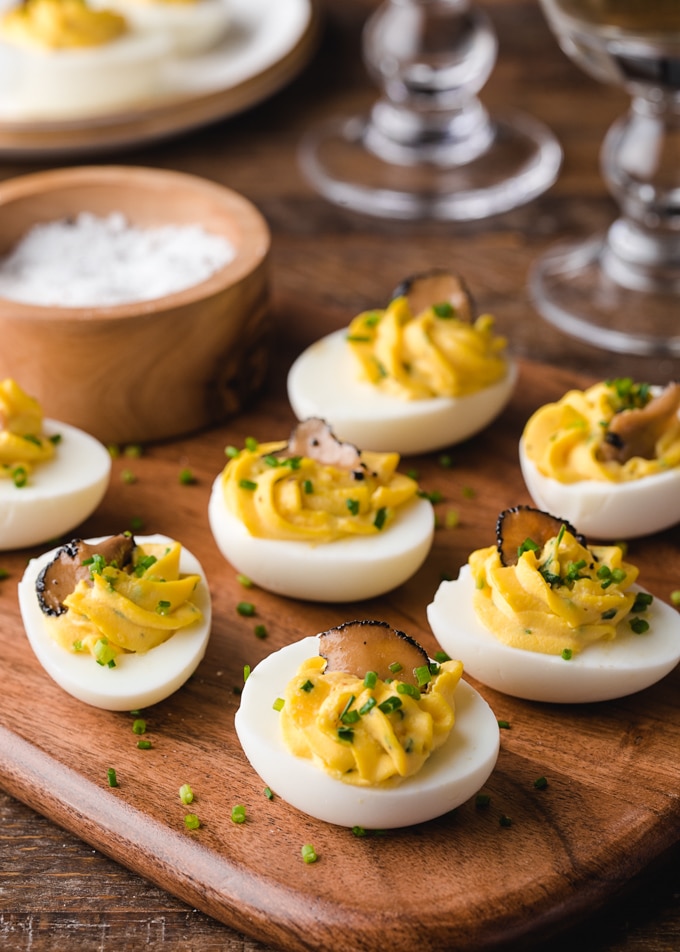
[(93, 261)]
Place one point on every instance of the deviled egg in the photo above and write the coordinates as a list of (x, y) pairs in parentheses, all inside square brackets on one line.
[(607, 458), (357, 727), (544, 616), (52, 475), (119, 623), (318, 519), (63, 59), (191, 26), (418, 376)]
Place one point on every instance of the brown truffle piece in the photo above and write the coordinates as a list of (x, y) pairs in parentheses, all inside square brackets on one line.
[(314, 439), (356, 647), (438, 286), (71, 564), (635, 432), (520, 523)]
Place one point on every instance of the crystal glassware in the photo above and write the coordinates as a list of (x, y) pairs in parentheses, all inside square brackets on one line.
[(428, 148), (620, 290)]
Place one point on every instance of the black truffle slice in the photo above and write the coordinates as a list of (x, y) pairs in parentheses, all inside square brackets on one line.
[(314, 439), (436, 287), (635, 432), (356, 647), (521, 523), (71, 564)]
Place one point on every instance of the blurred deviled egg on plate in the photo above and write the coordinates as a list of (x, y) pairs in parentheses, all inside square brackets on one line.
[(546, 616), (607, 458), (422, 374), (52, 475), (119, 623), (358, 727), (315, 518), (65, 59)]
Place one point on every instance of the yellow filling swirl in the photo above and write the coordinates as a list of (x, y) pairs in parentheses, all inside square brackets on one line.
[(118, 611), (563, 596), (299, 498), (432, 354), (61, 24), (22, 443), (366, 735)]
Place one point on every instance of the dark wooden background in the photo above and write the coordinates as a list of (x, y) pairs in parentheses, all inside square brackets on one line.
[(56, 893)]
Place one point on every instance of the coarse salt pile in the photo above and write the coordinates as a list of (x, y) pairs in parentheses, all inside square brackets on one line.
[(92, 261)]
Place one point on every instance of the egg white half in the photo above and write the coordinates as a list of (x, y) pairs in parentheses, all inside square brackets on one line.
[(349, 569), (607, 510), (190, 27), (59, 495), (453, 773), (602, 671), (138, 680), (75, 83), (322, 382)]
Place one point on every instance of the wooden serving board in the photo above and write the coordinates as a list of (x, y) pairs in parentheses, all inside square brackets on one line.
[(466, 881)]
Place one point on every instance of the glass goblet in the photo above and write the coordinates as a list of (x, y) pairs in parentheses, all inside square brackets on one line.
[(428, 148), (620, 290)]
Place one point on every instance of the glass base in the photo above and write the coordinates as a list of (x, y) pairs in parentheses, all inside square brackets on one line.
[(521, 161), (573, 291)]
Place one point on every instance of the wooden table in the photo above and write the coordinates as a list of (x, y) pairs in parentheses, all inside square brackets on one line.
[(56, 892)]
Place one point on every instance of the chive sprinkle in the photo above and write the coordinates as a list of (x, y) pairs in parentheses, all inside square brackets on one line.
[(353, 506), (247, 484), (139, 726), (268, 793), (191, 821), (238, 813), (244, 581), (540, 783), (186, 794), (370, 679), (308, 853), (260, 631), (567, 654), (112, 778), (186, 477), (504, 725), (278, 704), (144, 744), (247, 609)]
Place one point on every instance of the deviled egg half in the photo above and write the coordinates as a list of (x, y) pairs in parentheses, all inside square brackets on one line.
[(64, 59), (417, 376), (52, 475), (358, 727), (119, 623), (607, 458), (315, 518), (545, 616)]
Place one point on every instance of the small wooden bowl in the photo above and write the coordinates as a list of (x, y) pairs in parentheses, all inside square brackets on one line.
[(148, 370)]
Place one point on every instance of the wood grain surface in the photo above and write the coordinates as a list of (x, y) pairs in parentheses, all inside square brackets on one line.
[(618, 795)]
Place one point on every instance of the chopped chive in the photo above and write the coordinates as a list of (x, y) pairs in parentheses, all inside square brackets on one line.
[(567, 654), (308, 853), (410, 689), (504, 820), (675, 597), (357, 339), (452, 519), (370, 679), (423, 674), (359, 831), (444, 309), (136, 523), (504, 725), (346, 734), (231, 451), (238, 813), (308, 487), (271, 461), (163, 608), (482, 800), (278, 704), (639, 626), (642, 602), (244, 581), (395, 667), (251, 444), (139, 726), (186, 477), (307, 686), (112, 778), (540, 783), (390, 704), (247, 609), (191, 821), (380, 517), (133, 451), (4, 573), (353, 506), (367, 706), (128, 477), (441, 657), (247, 484), (246, 672), (260, 631), (186, 794), (144, 744), (413, 474), (268, 793)]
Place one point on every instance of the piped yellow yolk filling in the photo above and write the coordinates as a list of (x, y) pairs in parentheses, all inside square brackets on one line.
[(300, 499), (22, 443), (362, 735), (432, 354), (564, 440), (564, 596), (61, 24), (118, 611)]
